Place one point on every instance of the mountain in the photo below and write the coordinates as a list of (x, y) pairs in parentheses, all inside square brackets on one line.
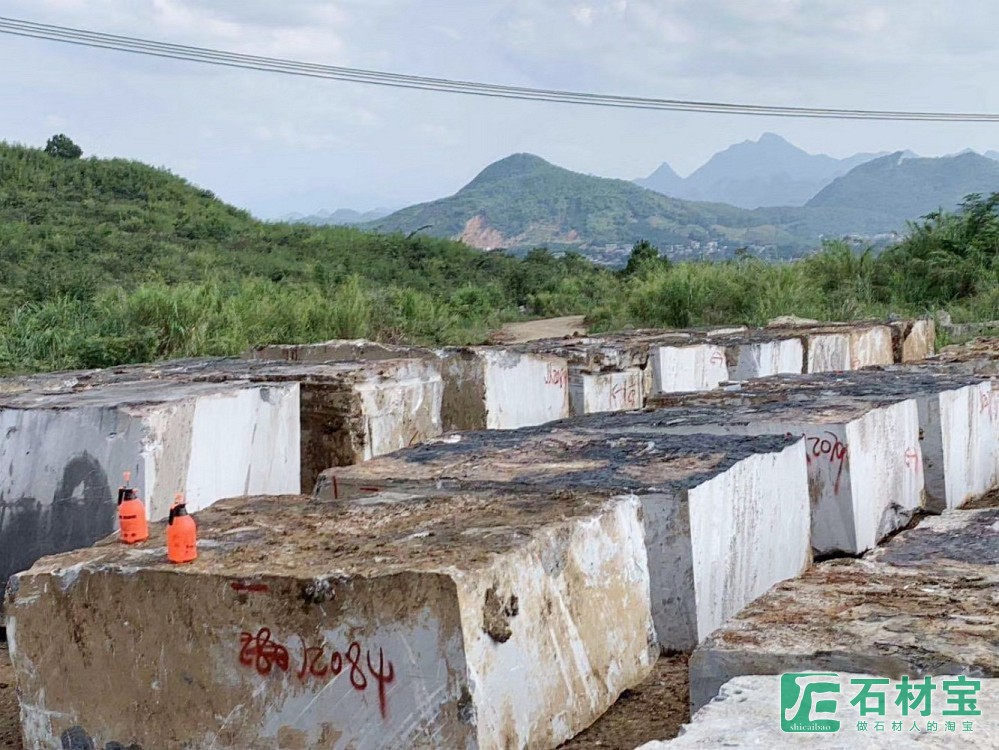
[(766, 172), (340, 217), (664, 180), (992, 155), (910, 187), (522, 201)]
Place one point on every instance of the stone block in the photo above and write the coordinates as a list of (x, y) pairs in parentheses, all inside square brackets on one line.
[(957, 433), (605, 373), (350, 411), (484, 620), (484, 387), (828, 352), (757, 359), (870, 346), (63, 455), (924, 604), (743, 715), (725, 517), (865, 465)]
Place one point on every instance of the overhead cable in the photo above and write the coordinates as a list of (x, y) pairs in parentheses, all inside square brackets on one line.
[(135, 45)]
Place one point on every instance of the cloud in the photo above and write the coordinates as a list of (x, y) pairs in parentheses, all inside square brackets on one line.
[(253, 137)]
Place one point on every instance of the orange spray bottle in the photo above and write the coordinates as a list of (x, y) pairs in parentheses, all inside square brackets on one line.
[(132, 523), (182, 533)]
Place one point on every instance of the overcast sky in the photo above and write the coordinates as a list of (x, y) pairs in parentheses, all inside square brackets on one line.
[(275, 144)]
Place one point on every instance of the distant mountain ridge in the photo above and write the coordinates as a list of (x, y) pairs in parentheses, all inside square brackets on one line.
[(767, 172), (342, 216), (523, 201), (910, 187)]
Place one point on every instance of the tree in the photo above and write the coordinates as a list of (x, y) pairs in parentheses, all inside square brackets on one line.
[(63, 147), (643, 255)]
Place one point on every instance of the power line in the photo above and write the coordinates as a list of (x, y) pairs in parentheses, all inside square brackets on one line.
[(135, 45)]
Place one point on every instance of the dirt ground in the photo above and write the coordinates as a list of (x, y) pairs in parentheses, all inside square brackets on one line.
[(10, 729), (990, 500), (549, 328), (654, 710)]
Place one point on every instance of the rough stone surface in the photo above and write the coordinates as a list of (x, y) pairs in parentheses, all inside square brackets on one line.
[(339, 350), (863, 457), (746, 714), (461, 621), (63, 455), (924, 604), (725, 517)]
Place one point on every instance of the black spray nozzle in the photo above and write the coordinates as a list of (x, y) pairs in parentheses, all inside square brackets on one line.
[(180, 509)]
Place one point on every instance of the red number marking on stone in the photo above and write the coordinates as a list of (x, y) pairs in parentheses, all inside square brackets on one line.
[(260, 652)]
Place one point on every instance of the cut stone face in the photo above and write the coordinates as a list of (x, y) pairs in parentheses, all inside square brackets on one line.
[(63, 455), (759, 359), (925, 604), (864, 460), (913, 340), (725, 518), (746, 714), (491, 620), (689, 367), (498, 389), (596, 392)]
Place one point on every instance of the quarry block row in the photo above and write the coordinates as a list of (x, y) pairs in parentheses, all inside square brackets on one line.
[(484, 547)]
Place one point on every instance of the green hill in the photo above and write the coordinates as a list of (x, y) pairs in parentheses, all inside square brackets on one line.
[(522, 201), (908, 188), (75, 226)]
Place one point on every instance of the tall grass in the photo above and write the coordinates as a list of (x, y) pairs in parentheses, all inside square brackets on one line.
[(948, 262)]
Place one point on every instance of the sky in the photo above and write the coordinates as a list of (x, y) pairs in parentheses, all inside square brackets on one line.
[(276, 144)]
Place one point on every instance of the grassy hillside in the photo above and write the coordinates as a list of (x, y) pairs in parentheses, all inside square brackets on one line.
[(108, 262), (87, 241)]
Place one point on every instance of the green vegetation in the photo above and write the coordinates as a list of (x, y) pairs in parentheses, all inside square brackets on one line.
[(106, 262)]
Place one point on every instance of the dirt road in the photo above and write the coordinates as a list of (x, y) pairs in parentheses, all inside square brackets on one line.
[(531, 330)]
